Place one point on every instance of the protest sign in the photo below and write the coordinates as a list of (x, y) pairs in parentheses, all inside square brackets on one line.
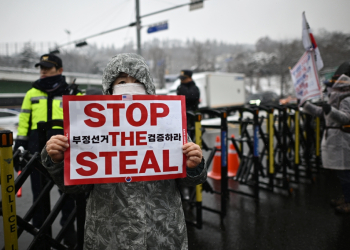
[(124, 138), (305, 78)]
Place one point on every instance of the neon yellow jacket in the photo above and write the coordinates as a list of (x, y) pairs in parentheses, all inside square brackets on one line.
[(39, 105), (35, 109)]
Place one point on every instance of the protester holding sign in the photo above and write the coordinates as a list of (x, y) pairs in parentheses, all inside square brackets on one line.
[(335, 142), (135, 214)]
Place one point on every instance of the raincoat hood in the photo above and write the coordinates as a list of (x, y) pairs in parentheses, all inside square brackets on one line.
[(343, 82), (343, 69), (131, 64)]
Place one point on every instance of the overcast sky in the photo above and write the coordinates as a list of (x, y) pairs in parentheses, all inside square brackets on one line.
[(232, 21)]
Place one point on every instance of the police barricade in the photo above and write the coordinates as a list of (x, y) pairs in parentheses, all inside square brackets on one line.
[(258, 140), (301, 140), (8, 203), (248, 149), (195, 195), (222, 115), (283, 140), (43, 238), (276, 145), (290, 141), (298, 149)]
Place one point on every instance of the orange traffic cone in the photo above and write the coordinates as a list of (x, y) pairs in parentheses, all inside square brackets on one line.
[(232, 161), (215, 173)]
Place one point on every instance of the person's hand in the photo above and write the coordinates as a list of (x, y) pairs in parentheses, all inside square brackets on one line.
[(56, 147), (326, 108), (193, 153)]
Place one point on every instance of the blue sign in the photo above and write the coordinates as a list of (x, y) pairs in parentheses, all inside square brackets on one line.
[(158, 27), (256, 141), (224, 148)]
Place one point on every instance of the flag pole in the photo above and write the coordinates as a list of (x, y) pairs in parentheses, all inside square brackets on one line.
[(312, 52), (310, 48)]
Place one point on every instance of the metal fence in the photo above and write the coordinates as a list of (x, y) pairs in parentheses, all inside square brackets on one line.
[(276, 147)]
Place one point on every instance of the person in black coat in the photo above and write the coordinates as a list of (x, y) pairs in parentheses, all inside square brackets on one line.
[(189, 89)]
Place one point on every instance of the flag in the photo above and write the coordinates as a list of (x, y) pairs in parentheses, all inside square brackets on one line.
[(305, 78), (309, 42), (127, 97)]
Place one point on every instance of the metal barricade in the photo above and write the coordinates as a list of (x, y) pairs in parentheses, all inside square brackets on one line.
[(43, 238), (8, 204), (198, 223)]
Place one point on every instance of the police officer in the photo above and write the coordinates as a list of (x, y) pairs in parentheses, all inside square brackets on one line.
[(189, 89), (43, 102), (191, 92)]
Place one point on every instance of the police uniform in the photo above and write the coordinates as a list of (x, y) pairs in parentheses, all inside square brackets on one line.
[(189, 90), (43, 102)]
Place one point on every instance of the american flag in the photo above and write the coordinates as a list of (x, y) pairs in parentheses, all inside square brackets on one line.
[(127, 97)]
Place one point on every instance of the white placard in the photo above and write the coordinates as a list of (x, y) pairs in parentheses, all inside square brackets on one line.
[(305, 78), (124, 138)]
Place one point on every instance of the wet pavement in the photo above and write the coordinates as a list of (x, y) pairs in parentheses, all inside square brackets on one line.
[(22, 205), (302, 220)]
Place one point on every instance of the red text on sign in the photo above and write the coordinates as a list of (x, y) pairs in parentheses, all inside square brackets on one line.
[(127, 164), (137, 138), (157, 110)]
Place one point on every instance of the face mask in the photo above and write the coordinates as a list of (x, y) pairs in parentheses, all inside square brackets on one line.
[(129, 89)]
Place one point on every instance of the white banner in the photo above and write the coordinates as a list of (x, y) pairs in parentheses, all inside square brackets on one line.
[(305, 78), (124, 138)]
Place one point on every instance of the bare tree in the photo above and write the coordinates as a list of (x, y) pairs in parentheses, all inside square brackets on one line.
[(200, 53), (265, 44), (288, 54), (27, 56), (158, 57), (334, 48), (171, 56)]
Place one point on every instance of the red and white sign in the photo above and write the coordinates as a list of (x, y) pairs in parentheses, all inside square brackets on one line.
[(305, 78), (120, 138)]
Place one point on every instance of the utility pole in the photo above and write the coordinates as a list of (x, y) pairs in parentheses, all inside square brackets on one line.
[(138, 27), (82, 42)]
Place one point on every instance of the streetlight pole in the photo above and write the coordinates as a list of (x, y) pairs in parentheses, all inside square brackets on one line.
[(82, 41), (138, 27)]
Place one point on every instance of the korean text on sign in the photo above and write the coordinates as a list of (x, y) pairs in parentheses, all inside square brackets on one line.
[(115, 139)]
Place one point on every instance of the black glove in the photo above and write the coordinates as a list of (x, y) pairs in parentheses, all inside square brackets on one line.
[(303, 104), (16, 161), (19, 143), (326, 108)]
